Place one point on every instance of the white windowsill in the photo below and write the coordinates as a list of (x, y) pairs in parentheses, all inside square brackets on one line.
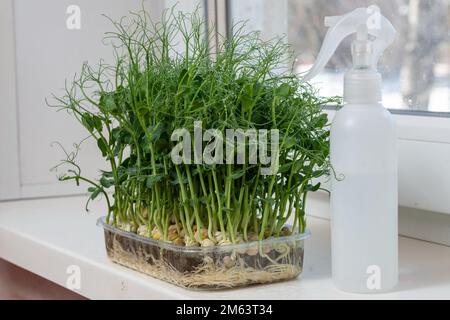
[(46, 236)]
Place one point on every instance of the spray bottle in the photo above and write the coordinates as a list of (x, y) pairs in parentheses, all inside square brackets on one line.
[(364, 230)]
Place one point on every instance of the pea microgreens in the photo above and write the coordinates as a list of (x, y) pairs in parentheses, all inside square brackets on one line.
[(132, 107)]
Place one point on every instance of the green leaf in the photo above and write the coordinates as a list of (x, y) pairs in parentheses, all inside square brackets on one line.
[(285, 167), (237, 174), (95, 193), (97, 123), (284, 90), (156, 131), (105, 182), (110, 104), (298, 165), (106, 174), (152, 180), (312, 188), (289, 142), (87, 122), (176, 181), (247, 98), (132, 171), (91, 122), (103, 146), (322, 120), (248, 90), (246, 103), (270, 201), (183, 78), (319, 173), (194, 202)]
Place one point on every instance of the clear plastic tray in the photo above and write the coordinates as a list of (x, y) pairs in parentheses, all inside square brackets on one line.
[(216, 267)]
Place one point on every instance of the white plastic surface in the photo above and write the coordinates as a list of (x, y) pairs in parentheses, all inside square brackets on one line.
[(364, 193), (364, 199)]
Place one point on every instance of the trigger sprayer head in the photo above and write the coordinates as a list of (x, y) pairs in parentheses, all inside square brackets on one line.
[(374, 33)]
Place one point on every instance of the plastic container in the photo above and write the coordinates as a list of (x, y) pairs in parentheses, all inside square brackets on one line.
[(217, 267)]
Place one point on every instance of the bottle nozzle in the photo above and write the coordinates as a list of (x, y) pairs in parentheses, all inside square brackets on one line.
[(367, 23)]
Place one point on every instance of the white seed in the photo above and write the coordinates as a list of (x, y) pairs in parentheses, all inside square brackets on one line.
[(203, 233), (190, 242), (125, 226), (207, 243), (208, 260), (285, 231), (156, 234), (228, 262), (218, 235), (224, 242), (173, 234), (282, 249), (252, 251), (252, 236), (178, 242), (142, 230)]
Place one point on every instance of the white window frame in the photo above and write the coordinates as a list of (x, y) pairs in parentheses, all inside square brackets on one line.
[(9, 144)]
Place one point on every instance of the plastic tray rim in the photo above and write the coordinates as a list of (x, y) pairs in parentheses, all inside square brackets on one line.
[(101, 222)]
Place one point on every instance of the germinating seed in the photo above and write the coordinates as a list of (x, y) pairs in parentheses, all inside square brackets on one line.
[(252, 251), (190, 242), (267, 248), (228, 262), (207, 243), (252, 236), (178, 241), (142, 231), (156, 234)]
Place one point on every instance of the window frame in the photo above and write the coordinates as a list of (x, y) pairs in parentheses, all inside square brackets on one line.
[(9, 135)]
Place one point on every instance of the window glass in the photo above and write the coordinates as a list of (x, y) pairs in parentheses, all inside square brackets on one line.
[(416, 68)]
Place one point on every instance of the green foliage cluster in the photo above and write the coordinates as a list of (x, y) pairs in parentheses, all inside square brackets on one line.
[(132, 107)]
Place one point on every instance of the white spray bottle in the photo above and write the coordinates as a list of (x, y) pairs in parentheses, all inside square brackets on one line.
[(364, 218)]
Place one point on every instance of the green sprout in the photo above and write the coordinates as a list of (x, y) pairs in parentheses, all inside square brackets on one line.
[(132, 107)]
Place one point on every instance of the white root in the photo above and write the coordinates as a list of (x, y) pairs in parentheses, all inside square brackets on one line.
[(209, 275)]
